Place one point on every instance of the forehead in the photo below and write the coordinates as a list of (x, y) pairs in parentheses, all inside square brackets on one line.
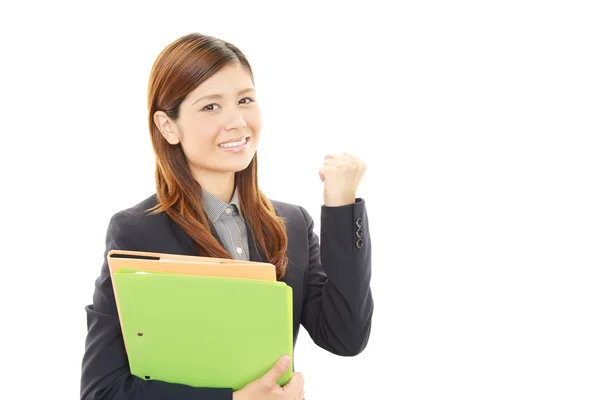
[(228, 80)]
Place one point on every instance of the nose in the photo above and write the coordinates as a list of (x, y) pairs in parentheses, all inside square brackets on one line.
[(235, 121)]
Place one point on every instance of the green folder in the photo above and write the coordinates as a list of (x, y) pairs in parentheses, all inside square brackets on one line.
[(203, 331)]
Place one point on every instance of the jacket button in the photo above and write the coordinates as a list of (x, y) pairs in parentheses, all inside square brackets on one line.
[(359, 243), (359, 222), (359, 233)]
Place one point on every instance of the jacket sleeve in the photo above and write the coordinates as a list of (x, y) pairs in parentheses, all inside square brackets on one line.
[(338, 304), (105, 368)]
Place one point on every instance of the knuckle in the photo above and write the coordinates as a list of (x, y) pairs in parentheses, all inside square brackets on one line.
[(264, 384)]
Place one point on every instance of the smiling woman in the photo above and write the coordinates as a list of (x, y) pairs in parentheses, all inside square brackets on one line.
[(205, 123)]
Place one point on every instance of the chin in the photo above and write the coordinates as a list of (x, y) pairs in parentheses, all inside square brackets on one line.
[(238, 166)]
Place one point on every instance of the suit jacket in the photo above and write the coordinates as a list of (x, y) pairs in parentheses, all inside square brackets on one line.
[(330, 281)]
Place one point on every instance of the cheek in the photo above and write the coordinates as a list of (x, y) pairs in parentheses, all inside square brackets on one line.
[(254, 121), (199, 138)]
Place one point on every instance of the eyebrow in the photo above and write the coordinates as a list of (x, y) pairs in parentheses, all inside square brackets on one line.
[(220, 96)]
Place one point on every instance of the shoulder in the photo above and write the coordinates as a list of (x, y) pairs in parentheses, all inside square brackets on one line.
[(135, 219), (136, 214), (291, 212)]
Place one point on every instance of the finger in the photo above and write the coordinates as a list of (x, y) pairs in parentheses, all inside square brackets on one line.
[(326, 171), (301, 395), (278, 369), (297, 380), (343, 165), (296, 384), (346, 159), (339, 161), (337, 157), (352, 156)]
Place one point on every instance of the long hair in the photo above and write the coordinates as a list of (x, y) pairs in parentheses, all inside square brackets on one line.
[(179, 69)]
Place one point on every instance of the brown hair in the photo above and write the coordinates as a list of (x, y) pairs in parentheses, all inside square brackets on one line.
[(179, 69)]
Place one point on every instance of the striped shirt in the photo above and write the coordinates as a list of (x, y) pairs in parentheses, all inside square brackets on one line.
[(228, 223)]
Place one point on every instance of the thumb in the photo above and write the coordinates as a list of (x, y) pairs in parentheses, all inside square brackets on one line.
[(278, 369)]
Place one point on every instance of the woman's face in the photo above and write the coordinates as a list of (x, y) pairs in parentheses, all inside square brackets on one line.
[(219, 123)]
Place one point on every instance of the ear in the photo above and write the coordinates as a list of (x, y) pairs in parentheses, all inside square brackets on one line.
[(167, 127)]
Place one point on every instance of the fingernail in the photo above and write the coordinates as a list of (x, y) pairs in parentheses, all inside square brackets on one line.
[(285, 361)]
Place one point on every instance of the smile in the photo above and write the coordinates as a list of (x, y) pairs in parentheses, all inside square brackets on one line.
[(236, 146)]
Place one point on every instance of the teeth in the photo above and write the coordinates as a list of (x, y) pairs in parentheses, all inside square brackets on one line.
[(233, 144)]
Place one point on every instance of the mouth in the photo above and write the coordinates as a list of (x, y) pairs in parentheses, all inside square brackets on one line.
[(235, 145)]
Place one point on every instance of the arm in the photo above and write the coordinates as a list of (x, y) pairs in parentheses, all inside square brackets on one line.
[(105, 368), (338, 304)]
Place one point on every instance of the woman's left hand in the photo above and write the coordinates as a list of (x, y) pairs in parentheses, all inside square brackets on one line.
[(342, 175)]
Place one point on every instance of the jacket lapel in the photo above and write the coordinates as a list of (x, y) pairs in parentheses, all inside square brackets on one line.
[(256, 254), (184, 239)]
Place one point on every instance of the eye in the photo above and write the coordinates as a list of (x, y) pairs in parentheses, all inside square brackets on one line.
[(210, 107), (246, 100)]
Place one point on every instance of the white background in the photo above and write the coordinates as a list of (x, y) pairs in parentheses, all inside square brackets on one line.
[(479, 122)]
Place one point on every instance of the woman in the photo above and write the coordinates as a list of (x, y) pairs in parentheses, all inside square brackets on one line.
[(205, 127)]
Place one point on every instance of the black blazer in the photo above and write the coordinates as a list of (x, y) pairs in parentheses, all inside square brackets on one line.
[(331, 292)]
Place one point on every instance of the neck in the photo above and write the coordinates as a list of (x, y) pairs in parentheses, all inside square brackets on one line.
[(219, 184)]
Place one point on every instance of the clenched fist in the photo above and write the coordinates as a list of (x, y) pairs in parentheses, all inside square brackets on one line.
[(342, 175)]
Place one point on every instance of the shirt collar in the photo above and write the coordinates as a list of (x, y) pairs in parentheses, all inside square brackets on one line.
[(214, 206)]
